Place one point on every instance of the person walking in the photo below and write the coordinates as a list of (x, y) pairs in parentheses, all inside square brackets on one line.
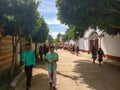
[(77, 50), (46, 49), (73, 49), (28, 58), (41, 52), (51, 59), (100, 56), (94, 54), (56, 47)]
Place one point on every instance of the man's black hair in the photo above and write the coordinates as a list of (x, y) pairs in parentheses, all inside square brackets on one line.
[(27, 44), (51, 47)]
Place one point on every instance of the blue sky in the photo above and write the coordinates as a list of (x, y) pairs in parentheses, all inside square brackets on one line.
[(48, 10)]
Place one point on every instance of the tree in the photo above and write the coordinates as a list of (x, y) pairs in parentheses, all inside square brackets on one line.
[(3, 12), (18, 18), (70, 34), (41, 34), (88, 13), (50, 39), (58, 37)]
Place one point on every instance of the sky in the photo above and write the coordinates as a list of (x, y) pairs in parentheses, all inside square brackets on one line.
[(48, 10)]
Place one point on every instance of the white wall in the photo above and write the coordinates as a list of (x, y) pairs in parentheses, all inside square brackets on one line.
[(111, 45), (70, 42), (83, 44)]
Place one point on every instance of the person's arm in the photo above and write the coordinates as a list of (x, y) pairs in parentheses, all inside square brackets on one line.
[(46, 58), (103, 54), (34, 59), (56, 58)]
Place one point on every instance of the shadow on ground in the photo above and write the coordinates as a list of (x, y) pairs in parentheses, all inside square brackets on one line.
[(39, 82), (103, 77)]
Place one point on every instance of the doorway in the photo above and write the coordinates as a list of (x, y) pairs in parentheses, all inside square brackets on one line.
[(93, 40)]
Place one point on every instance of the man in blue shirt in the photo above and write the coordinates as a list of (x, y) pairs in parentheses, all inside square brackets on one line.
[(28, 58), (51, 59)]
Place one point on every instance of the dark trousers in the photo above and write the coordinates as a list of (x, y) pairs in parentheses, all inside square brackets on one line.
[(28, 72), (41, 56)]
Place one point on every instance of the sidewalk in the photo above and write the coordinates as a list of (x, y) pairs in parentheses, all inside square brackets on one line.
[(106, 61)]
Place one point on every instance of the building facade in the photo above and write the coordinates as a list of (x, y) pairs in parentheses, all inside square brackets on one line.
[(99, 39)]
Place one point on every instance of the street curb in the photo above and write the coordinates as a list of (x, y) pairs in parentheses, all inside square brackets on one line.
[(17, 79)]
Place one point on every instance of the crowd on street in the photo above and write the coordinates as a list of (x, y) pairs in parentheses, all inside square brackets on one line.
[(46, 53)]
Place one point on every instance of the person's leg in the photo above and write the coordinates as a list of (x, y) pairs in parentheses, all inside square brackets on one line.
[(94, 60), (41, 56), (54, 79), (28, 71), (49, 76), (99, 63), (30, 75)]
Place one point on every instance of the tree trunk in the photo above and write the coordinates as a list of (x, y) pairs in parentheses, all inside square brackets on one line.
[(13, 56), (15, 51), (21, 47), (30, 40), (35, 47)]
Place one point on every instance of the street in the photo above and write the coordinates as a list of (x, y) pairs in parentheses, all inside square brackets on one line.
[(75, 73)]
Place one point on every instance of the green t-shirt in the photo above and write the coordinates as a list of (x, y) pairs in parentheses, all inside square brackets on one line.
[(52, 56), (28, 57)]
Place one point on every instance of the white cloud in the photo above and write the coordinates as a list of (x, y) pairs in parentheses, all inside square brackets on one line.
[(52, 21), (54, 34), (62, 25), (47, 10)]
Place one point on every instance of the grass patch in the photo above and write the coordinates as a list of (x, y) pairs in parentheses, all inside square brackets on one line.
[(6, 78)]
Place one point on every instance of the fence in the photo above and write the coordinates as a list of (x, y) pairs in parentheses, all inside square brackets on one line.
[(5, 53)]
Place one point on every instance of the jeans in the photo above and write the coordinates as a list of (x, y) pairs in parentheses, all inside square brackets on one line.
[(28, 72), (53, 78)]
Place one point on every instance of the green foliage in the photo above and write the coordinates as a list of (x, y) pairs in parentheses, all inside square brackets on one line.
[(5, 80), (58, 37), (3, 12), (82, 14), (73, 33), (19, 17), (50, 39), (41, 34)]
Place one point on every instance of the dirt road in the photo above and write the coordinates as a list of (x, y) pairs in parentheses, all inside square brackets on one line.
[(76, 73)]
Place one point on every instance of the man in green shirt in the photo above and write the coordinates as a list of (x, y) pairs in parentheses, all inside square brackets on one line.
[(51, 59), (28, 58)]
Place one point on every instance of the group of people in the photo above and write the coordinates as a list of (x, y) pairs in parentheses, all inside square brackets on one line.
[(75, 49), (43, 50), (28, 57), (97, 54)]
